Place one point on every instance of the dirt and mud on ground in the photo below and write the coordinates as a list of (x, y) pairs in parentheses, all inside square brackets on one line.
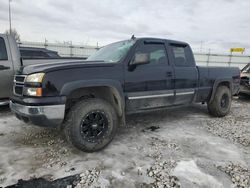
[(173, 148)]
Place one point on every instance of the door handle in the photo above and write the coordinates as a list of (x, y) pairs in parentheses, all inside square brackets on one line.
[(169, 74), (3, 67)]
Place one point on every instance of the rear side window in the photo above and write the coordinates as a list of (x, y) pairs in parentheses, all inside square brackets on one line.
[(181, 55), (3, 51), (157, 53)]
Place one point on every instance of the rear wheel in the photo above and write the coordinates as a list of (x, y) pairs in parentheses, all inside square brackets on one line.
[(91, 125), (221, 103)]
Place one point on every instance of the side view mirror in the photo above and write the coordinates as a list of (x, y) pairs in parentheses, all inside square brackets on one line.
[(140, 59)]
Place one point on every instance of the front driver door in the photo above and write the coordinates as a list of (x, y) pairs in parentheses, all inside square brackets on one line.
[(150, 85), (6, 69)]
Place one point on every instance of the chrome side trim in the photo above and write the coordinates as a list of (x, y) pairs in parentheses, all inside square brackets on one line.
[(185, 93), (151, 96), (167, 93)]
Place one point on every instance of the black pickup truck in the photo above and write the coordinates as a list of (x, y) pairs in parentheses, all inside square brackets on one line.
[(90, 99)]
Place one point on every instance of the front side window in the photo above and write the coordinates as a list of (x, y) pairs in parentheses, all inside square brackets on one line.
[(157, 53), (112, 52), (3, 51)]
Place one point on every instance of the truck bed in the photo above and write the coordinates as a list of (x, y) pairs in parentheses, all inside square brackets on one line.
[(208, 75)]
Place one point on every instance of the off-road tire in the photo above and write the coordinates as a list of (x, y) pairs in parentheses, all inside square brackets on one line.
[(215, 107), (72, 125)]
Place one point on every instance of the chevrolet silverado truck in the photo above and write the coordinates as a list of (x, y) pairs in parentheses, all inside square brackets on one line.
[(89, 100), (11, 61)]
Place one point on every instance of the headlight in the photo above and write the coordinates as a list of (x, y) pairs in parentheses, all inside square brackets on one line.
[(33, 91), (33, 85), (37, 78)]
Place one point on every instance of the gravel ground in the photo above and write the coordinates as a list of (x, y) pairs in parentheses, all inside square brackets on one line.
[(173, 148)]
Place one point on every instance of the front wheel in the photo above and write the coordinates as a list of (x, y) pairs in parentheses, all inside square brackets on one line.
[(221, 103), (91, 125)]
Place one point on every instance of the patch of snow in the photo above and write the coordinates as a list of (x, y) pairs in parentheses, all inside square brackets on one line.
[(191, 172)]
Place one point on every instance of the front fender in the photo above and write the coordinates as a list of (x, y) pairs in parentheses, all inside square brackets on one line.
[(71, 86)]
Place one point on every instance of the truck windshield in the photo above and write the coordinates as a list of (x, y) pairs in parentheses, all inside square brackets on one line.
[(113, 52)]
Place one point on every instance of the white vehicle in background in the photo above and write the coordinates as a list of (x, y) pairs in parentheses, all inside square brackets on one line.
[(10, 62), (245, 80)]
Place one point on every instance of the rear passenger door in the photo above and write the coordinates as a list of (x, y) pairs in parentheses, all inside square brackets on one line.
[(6, 69), (150, 85), (186, 74)]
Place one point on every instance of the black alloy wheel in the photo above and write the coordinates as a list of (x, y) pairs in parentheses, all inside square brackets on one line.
[(224, 101), (94, 126), (91, 124)]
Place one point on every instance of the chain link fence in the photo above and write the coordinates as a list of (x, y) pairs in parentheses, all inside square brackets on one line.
[(64, 50), (228, 60)]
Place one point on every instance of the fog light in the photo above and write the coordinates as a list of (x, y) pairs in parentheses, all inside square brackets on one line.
[(37, 92)]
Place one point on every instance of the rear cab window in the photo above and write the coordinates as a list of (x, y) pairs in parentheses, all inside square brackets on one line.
[(3, 51), (182, 55)]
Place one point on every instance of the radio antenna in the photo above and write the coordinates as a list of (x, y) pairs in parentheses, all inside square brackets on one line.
[(133, 37)]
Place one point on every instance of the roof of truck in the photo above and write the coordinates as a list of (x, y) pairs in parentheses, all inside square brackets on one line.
[(161, 39)]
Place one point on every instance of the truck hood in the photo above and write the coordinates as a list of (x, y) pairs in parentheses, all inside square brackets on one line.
[(48, 67)]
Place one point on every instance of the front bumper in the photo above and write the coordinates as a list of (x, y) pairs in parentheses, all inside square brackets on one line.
[(45, 116)]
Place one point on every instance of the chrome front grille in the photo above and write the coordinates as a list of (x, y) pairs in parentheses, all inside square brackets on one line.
[(18, 84), (19, 79)]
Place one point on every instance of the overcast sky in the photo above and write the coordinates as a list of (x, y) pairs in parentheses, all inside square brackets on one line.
[(219, 24)]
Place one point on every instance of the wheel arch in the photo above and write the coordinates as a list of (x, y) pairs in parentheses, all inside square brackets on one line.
[(109, 90), (218, 83)]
